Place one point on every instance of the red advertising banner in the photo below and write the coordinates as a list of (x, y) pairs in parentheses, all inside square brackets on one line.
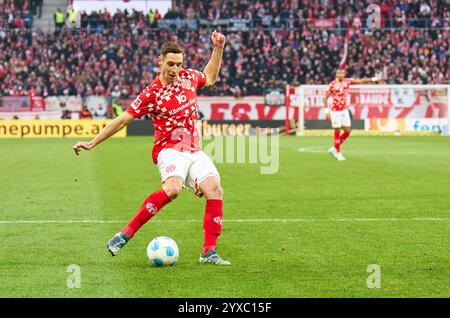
[(362, 106), (37, 104), (395, 102)]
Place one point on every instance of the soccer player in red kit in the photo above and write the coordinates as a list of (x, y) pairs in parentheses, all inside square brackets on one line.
[(339, 114), (171, 103)]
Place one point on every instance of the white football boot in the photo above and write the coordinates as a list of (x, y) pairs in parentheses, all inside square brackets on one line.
[(332, 151), (340, 156)]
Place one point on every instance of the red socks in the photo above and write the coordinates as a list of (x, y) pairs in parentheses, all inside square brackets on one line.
[(155, 202), (212, 224), (339, 139), (344, 136)]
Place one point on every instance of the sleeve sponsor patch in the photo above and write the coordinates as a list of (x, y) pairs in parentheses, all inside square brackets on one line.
[(135, 104)]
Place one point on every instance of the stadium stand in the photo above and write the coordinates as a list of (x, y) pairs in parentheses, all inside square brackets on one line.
[(115, 54)]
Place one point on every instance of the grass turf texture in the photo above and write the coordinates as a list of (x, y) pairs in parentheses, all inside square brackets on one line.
[(388, 204)]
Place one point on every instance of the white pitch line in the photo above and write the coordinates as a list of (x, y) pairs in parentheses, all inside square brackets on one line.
[(439, 219), (323, 150)]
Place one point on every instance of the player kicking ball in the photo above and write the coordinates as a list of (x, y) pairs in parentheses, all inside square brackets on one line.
[(171, 103), (339, 114)]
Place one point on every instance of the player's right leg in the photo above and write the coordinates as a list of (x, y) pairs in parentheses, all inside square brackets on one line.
[(173, 168), (336, 124), (335, 149)]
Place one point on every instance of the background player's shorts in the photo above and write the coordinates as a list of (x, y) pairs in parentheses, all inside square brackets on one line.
[(340, 118), (191, 168)]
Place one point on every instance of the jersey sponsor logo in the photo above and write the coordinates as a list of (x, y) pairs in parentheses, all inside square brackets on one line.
[(218, 220), (151, 208), (170, 168), (181, 98), (188, 104), (185, 83)]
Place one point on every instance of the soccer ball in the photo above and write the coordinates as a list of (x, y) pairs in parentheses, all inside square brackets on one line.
[(162, 251)]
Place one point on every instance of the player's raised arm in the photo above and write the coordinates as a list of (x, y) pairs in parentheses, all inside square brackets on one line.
[(112, 128), (325, 99), (366, 80), (213, 67)]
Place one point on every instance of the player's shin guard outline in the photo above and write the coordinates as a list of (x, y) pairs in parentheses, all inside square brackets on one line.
[(344, 136), (212, 224), (152, 205)]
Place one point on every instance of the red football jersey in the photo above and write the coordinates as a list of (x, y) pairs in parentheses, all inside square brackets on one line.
[(339, 92), (173, 110)]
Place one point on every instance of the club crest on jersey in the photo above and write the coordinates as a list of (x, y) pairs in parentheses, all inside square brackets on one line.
[(170, 168), (151, 208), (185, 83), (166, 95), (218, 220)]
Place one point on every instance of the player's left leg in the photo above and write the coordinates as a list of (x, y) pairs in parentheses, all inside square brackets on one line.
[(346, 126), (204, 180), (345, 134), (212, 221)]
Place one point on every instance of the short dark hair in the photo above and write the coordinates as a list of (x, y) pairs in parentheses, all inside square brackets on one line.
[(171, 47)]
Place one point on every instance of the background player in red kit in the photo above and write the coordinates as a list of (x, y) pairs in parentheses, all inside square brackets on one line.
[(171, 103), (339, 114)]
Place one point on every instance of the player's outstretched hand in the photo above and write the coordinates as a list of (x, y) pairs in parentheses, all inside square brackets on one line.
[(327, 114), (82, 144), (377, 79), (218, 39)]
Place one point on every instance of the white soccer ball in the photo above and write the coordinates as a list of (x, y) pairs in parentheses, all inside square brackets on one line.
[(162, 251)]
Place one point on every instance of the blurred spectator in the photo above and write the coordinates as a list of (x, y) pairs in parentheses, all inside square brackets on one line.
[(101, 112), (36, 7), (116, 108), (157, 16), (28, 19), (59, 19), (85, 113), (18, 22), (71, 17), (33, 91), (66, 114), (151, 18), (39, 4)]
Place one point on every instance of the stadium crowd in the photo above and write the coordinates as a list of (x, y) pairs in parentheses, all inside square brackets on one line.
[(275, 12), (115, 54)]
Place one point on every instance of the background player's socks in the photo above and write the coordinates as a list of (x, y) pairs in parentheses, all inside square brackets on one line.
[(344, 136), (337, 140), (212, 224), (155, 202)]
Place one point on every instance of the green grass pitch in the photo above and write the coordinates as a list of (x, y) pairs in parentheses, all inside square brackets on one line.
[(310, 230)]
